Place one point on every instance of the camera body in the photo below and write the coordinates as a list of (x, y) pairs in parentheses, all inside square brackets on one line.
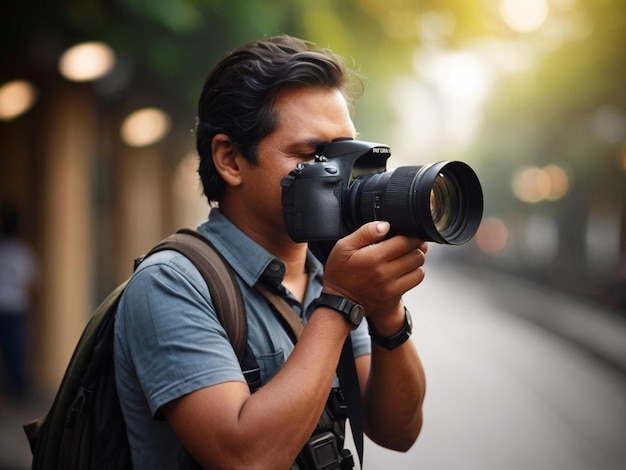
[(348, 186), (314, 195)]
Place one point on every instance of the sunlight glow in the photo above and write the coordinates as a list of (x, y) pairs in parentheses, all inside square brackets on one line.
[(524, 16), (443, 104)]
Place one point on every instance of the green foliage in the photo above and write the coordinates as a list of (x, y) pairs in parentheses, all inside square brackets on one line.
[(170, 45), (557, 94)]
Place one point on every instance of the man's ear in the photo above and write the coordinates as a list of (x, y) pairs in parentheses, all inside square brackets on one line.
[(225, 155)]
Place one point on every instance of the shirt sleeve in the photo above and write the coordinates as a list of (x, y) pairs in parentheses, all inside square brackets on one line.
[(361, 344), (170, 334)]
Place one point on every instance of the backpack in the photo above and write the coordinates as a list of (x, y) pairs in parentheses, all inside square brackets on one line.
[(84, 427)]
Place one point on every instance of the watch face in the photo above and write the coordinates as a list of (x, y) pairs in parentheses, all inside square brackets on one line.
[(356, 315)]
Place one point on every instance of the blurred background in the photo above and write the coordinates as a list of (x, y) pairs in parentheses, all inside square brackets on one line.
[(97, 110)]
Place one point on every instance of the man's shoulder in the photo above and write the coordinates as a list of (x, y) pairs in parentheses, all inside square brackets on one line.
[(166, 273), (167, 260)]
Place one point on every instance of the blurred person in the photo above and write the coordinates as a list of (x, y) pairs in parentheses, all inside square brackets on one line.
[(264, 108), (18, 277), (619, 283)]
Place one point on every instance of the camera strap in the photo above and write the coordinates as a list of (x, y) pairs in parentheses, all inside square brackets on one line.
[(292, 322), (349, 381), (346, 369)]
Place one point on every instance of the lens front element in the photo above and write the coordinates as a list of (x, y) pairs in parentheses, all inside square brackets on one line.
[(447, 202), (444, 203)]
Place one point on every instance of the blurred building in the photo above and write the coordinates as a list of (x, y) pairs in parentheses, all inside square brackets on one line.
[(97, 146), (100, 182)]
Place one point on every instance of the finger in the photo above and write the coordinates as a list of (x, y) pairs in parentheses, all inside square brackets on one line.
[(398, 246), (408, 262), (395, 287), (411, 279)]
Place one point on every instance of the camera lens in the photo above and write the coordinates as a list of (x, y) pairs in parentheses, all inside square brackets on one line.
[(444, 202), (440, 202)]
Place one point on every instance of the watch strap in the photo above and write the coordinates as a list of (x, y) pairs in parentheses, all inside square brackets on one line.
[(397, 339), (351, 311)]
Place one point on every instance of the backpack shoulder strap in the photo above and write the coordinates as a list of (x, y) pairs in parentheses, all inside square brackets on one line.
[(223, 287)]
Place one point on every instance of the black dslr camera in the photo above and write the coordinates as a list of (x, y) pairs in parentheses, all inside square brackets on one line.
[(348, 185)]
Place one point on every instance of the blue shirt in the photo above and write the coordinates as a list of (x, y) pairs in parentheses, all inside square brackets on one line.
[(169, 342)]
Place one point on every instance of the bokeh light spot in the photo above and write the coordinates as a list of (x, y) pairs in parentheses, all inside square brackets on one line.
[(145, 127), (492, 235), (16, 97), (87, 61)]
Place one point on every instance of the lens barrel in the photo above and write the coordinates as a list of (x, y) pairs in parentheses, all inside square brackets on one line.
[(440, 202)]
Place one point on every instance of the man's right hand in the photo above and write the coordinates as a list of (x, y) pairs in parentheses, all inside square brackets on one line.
[(373, 270)]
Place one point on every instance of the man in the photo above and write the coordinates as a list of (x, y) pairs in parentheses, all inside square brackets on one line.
[(263, 109), (19, 276)]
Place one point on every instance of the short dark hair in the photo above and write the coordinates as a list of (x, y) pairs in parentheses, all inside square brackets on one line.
[(239, 93)]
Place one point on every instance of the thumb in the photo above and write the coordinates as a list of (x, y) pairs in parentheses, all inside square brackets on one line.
[(367, 234)]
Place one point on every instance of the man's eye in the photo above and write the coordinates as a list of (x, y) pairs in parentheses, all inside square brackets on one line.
[(321, 148), (306, 157)]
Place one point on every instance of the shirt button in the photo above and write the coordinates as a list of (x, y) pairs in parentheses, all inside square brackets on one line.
[(274, 266)]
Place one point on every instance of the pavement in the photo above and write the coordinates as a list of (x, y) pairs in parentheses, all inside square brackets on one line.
[(597, 329), (519, 377), (14, 448)]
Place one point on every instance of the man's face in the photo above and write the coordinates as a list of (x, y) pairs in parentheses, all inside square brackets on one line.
[(308, 118)]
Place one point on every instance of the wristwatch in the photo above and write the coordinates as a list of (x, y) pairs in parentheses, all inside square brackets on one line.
[(392, 342), (352, 312)]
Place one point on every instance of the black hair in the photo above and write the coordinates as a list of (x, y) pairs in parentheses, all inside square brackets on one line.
[(238, 95)]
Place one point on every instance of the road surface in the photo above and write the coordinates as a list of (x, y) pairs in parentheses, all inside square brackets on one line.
[(505, 393)]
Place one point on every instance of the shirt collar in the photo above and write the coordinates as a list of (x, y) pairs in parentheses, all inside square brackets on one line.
[(250, 260)]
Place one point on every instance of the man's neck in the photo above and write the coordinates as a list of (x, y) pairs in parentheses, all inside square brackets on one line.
[(277, 243), (294, 256)]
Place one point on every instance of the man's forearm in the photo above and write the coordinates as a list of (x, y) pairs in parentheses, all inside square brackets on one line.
[(393, 396)]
